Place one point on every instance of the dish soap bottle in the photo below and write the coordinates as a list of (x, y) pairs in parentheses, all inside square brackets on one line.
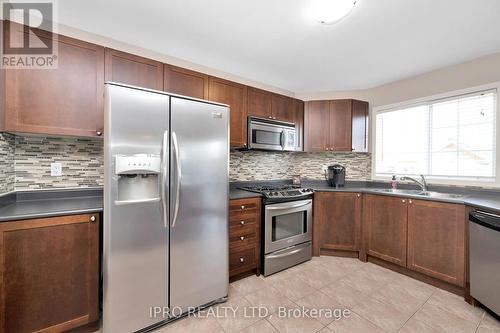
[(394, 182)]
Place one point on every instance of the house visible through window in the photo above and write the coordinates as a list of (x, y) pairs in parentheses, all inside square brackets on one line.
[(453, 138)]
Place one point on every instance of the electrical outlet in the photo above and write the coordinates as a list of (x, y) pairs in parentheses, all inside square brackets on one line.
[(55, 169)]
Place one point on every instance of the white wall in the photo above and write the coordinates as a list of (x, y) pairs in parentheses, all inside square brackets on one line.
[(476, 72)]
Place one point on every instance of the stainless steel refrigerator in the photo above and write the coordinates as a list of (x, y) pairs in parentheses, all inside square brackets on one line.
[(165, 237)]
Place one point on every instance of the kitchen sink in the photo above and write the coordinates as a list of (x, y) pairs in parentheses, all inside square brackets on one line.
[(420, 193), (398, 191), (440, 195)]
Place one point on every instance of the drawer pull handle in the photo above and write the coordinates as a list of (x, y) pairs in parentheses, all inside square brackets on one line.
[(242, 260), (242, 222), (92, 218), (242, 207), (242, 238)]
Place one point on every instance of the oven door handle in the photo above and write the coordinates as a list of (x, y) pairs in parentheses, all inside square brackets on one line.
[(274, 256), (288, 206)]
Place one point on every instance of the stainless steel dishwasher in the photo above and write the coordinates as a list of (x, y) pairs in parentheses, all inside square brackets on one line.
[(484, 237)]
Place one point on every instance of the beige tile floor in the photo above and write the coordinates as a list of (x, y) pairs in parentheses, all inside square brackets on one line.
[(378, 299)]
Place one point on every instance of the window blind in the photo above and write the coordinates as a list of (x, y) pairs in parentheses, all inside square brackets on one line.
[(449, 138)]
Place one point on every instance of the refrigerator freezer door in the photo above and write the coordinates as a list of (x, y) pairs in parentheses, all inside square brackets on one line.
[(135, 242), (199, 229)]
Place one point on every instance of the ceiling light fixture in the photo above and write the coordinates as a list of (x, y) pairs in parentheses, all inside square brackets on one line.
[(331, 11)]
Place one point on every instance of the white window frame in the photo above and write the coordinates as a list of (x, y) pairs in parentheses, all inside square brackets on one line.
[(414, 102)]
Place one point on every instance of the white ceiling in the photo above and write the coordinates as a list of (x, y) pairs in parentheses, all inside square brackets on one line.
[(277, 43)]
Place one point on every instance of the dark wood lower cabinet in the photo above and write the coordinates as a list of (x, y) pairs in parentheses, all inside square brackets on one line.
[(422, 236), (337, 221), (244, 237), (436, 240), (49, 273), (385, 228)]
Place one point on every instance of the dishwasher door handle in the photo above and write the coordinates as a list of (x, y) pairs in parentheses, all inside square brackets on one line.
[(487, 220)]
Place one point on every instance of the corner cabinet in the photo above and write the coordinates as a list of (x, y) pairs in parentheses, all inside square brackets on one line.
[(337, 222), (336, 125), (130, 69), (63, 101), (49, 273), (235, 95)]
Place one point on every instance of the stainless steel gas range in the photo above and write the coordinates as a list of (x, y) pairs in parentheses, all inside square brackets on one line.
[(287, 225)]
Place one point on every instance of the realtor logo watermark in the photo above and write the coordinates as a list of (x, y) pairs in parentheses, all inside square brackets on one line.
[(29, 39)]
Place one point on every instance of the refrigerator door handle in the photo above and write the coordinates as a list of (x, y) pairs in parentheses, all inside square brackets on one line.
[(178, 176), (164, 178)]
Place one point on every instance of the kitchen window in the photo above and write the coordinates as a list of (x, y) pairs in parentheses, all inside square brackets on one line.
[(451, 139)]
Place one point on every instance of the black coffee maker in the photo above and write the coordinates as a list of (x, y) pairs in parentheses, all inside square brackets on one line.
[(336, 175)]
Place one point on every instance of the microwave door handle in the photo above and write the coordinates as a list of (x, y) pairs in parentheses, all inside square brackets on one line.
[(282, 139)]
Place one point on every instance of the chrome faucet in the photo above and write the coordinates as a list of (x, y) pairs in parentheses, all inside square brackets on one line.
[(422, 184)]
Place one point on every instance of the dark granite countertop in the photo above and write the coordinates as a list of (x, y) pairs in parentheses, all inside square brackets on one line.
[(47, 203), (488, 199)]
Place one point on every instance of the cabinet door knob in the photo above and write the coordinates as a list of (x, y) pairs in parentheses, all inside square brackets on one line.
[(98, 133), (270, 117), (274, 117), (404, 201), (242, 260), (242, 207), (242, 222), (242, 237), (92, 218), (410, 201), (359, 195), (326, 148)]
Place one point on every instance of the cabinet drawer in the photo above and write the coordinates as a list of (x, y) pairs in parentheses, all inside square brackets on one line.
[(238, 220), (244, 207), (243, 238), (242, 259)]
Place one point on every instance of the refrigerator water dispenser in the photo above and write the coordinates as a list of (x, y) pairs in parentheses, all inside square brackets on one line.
[(138, 178)]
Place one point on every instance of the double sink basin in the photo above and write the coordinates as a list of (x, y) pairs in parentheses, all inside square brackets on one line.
[(420, 193)]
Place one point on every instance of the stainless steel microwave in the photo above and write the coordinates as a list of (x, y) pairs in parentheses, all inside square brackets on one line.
[(268, 134)]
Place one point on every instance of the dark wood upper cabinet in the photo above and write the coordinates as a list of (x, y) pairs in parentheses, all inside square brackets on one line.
[(337, 125), (49, 273), (282, 108), (130, 69), (299, 123), (185, 82), (359, 126), (63, 101), (337, 217), (385, 228), (436, 240), (235, 95), (340, 125), (259, 103), (316, 125)]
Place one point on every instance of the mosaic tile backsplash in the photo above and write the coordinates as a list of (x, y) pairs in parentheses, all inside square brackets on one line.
[(25, 163), (257, 165), (7, 174)]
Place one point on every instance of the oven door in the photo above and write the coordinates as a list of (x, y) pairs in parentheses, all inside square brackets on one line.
[(287, 224)]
